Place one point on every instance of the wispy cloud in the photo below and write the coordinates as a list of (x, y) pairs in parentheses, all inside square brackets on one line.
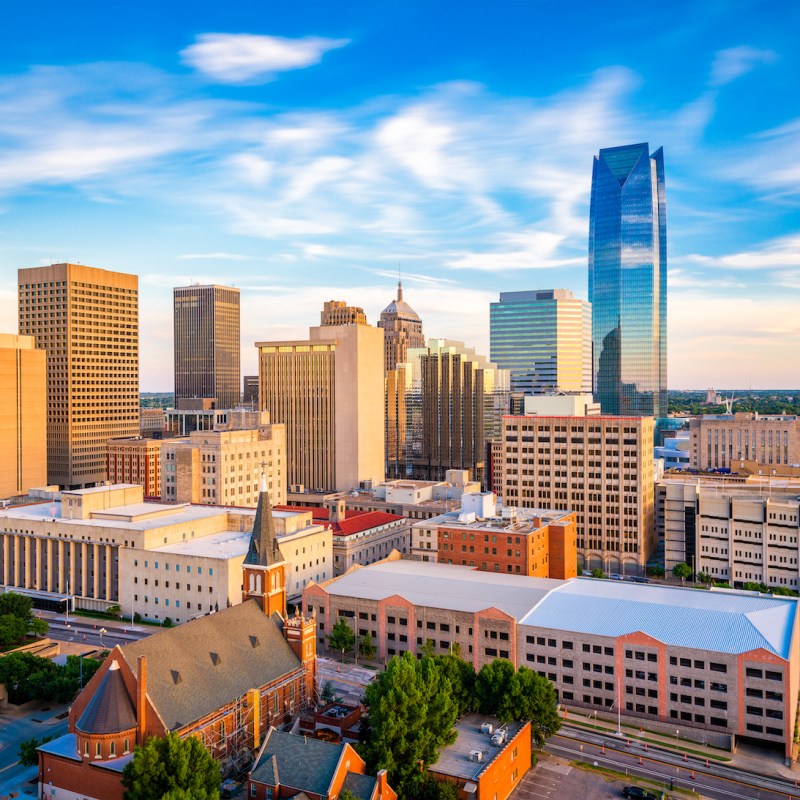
[(247, 58), (734, 62), (214, 257), (778, 254)]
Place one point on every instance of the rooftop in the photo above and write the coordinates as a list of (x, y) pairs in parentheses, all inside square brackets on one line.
[(354, 521), (725, 622), (455, 758), (523, 525), (226, 544)]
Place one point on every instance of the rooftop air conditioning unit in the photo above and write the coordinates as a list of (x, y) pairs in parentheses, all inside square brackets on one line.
[(475, 755), (487, 727)]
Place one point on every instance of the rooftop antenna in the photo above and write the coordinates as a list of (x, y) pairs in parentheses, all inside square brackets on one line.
[(729, 403)]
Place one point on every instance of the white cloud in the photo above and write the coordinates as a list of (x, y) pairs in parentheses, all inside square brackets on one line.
[(777, 254), (247, 58), (214, 257), (737, 61)]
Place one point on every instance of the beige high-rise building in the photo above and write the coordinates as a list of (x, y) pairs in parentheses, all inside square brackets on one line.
[(328, 391), (87, 320), (207, 344), (720, 440), (23, 415), (599, 467), (402, 328), (223, 468), (337, 312)]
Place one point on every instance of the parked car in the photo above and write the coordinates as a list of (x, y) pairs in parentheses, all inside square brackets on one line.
[(637, 793), (638, 579), (586, 573), (615, 577)]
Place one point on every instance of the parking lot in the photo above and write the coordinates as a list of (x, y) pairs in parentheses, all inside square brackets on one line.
[(555, 778)]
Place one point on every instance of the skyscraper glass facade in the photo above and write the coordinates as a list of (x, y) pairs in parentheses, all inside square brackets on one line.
[(544, 338), (628, 281)]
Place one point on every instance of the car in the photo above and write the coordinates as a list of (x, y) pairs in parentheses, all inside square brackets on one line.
[(615, 577), (637, 793), (638, 579), (586, 573)]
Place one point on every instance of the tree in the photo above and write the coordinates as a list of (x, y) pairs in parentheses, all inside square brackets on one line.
[(367, 647), (598, 573), (16, 613), (17, 604), (704, 578), (346, 794), (114, 611), (327, 694), (656, 571), (27, 750), (507, 694), (172, 767), (410, 717), (341, 637), (682, 571), (783, 591), (752, 586), (12, 629), (461, 675), (167, 622)]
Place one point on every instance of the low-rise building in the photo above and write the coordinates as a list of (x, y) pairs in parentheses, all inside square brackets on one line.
[(488, 758), (135, 460), (223, 467), (105, 546), (152, 422), (537, 542), (301, 766), (359, 537), (724, 663)]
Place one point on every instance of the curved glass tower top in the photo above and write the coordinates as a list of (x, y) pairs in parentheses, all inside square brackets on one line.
[(628, 281)]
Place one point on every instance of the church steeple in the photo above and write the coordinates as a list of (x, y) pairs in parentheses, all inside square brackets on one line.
[(264, 569)]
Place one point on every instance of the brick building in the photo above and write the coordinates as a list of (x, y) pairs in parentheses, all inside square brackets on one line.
[(722, 663), (536, 542), (135, 460), (226, 678), (299, 766)]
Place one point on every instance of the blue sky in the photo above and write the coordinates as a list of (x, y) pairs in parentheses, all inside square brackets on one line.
[(302, 150)]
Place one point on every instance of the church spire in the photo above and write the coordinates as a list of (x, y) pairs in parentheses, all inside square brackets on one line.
[(263, 549)]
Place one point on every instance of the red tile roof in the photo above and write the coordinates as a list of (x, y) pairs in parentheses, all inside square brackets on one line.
[(354, 521)]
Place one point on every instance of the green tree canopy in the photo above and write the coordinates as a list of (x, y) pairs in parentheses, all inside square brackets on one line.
[(17, 604), (17, 619), (172, 768), (682, 571), (461, 675), (341, 636), (410, 716), (29, 677), (598, 573), (367, 648)]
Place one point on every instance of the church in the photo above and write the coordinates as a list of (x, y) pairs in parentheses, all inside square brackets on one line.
[(227, 678)]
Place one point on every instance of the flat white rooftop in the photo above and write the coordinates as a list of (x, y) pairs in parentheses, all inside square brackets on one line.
[(225, 545)]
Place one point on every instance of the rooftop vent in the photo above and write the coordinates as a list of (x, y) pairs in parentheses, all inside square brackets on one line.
[(254, 642), (176, 676), (475, 755), (487, 727), (215, 659)]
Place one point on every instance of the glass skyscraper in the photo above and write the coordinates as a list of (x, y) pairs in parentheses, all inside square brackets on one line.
[(628, 281), (544, 338)]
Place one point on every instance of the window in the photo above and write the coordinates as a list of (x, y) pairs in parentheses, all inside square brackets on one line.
[(98, 751), (773, 676), (715, 667), (112, 752), (751, 672), (127, 746)]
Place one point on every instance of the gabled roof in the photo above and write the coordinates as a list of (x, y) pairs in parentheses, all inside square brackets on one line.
[(362, 786), (299, 762), (354, 521), (203, 665), (110, 710)]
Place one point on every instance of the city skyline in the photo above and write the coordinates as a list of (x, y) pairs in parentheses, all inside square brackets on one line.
[(301, 157)]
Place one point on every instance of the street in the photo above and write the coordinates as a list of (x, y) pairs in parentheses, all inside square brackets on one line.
[(718, 781)]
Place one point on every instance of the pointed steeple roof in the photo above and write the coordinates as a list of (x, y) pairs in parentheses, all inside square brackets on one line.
[(111, 709), (400, 307), (263, 549)]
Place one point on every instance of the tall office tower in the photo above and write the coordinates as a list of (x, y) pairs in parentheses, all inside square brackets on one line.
[(628, 281), (599, 467), (337, 312), (207, 344), (453, 400), (403, 329), (23, 415), (328, 391), (87, 320), (544, 339)]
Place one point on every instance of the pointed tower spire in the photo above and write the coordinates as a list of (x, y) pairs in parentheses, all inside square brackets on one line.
[(399, 292), (263, 551)]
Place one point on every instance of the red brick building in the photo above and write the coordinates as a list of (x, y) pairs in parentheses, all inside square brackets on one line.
[(288, 765), (225, 678), (135, 460)]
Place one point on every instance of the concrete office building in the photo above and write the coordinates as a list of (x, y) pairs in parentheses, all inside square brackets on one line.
[(337, 312), (152, 421), (536, 542), (721, 666), (207, 344), (87, 320), (628, 280), (448, 402), (23, 415), (562, 405), (135, 460), (544, 339), (402, 329), (223, 468), (104, 546), (250, 390), (718, 441), (599, 467), (328, 391), (203, 415)]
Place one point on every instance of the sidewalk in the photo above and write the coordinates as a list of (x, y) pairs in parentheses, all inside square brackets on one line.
[(766, 762)]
